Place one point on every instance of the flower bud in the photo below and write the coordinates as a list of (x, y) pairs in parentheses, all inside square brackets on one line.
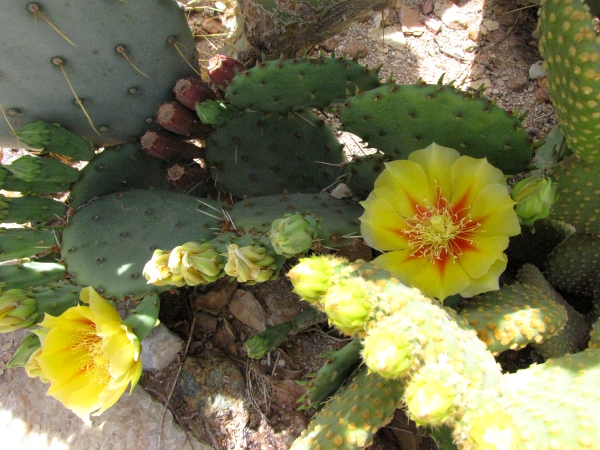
[(33, 369), (347, 305), (534, 196), (17, 310), (311, 277), (250, 264), (257, 346), (429, 401), (386, 353), (158, 273), (292, 234), (196, 263), (494, 431)]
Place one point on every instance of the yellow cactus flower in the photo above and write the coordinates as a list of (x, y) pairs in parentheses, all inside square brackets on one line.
[(444, 221), (88, 355)]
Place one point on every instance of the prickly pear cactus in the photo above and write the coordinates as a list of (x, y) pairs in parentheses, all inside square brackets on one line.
[(99, 68)]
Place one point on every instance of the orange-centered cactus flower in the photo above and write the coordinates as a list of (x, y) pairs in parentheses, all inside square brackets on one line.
[(444, 221), (88, 355)]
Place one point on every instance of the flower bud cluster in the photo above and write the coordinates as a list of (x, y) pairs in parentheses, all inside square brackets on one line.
[(250, 264), (534, 196), (292, 234), (17, 310)]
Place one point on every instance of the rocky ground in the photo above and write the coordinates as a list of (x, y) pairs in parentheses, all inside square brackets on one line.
[(216, 393)]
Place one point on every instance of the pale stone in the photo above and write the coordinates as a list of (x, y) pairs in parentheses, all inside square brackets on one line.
[(537, 70), (342, 191), (491, 25), (409, 20), (356, 48), (452, 16), (434, 25), (160, 348), (391, 36), (476, 84)]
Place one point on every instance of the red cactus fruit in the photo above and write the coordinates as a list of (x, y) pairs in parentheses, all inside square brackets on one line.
[(222, 69), (169, 147), (181, 175), (191, 90), (175, 117)]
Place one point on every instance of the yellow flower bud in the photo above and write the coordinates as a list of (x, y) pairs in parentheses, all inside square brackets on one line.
[(17, 310)]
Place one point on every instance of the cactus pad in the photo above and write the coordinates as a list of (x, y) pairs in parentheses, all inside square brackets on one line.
[(108, 242), (253, 154), (399, 119), (285, 85), (571, 50)]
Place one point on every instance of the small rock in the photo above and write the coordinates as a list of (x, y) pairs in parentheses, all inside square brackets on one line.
[(391, 36), (342, 191), (541, 93), (212, 25), (491, 25), (205, 323), (518, 83), (160, 348), (483, 30), (452, 16), (356, 48), (331, 43), (409, 20), (475, 33), (537, 70), (434, 25), (476, 84), (426, 7)]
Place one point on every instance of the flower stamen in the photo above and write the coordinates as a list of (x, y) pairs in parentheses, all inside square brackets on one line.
[(93, 361)]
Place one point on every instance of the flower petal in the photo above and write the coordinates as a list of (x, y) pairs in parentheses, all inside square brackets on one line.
[(99, 306), (489, 282), (494, 210), (381, 227), (436, 161), (469, 177), (477, 259)]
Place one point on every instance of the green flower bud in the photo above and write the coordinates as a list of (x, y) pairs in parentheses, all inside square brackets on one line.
[(257, 346), (196, 263), (534, 196), (158, 273), (33, 369), (386, 353), (311, 276), (292, 234), (494, 431), (347, 305), (250, 264), (34, 134), (430, 401), (17, 310), (215, 112)]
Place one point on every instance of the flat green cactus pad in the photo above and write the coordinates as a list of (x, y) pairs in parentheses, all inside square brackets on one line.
[(285, 85), (255, 154), (108, 242), (121, 59), (398, 120), (571, 50)]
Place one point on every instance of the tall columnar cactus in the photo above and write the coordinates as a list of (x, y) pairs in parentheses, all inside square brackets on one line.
[(99, 68)]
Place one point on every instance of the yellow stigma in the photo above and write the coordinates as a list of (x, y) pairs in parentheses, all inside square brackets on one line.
[(437, 231)]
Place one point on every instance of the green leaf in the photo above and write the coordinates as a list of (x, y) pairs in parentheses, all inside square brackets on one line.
[(145, 316), (29, 344)]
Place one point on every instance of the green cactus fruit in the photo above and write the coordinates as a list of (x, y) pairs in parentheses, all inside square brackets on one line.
[(336, 220), (108, 242), (33, 168), (573, 336), (53, 138), (17, 310), (398, 119), (578, 190), (552, 405), (18, 243), (386, 353), (534, 248), (338, 367), (513, 316), (574, 264), (493, 430), (250, 264), (30, 209), (350, 419), (253, 155), (117, 169), (30, 274), (102, 82), (534, 197), (317, 82), (292, 234), (571, 50)]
